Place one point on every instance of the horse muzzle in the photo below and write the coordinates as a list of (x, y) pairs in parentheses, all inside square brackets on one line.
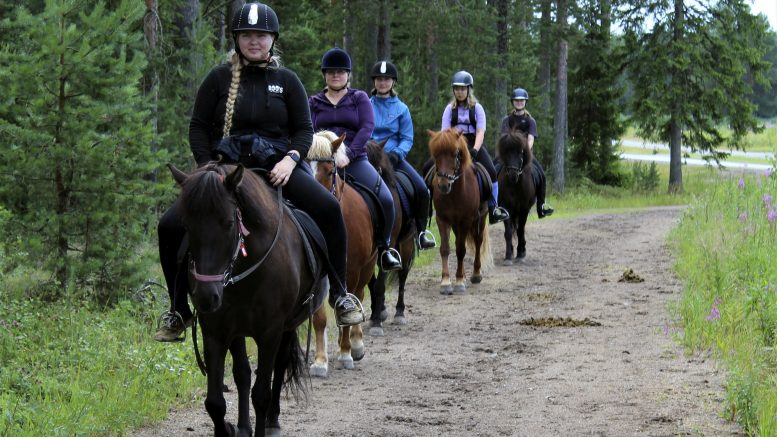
[(445, 188), (207, 296)]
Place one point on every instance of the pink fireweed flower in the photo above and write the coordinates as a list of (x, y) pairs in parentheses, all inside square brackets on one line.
[(771, 216), (713, 315), (767, 198), (741, 183), (743, 217)]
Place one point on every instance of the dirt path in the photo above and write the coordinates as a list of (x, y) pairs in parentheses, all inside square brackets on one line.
[(476, 365)]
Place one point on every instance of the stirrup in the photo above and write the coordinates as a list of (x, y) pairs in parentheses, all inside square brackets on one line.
[(177, 317), (428, 233), (357, 304), (393, 252)]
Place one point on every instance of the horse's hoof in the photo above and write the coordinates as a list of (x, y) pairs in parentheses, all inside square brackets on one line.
[(476, 279), (446, 289), (346, 361), (319, 370), (272, 432), (521, 254), (376, 331), (507, 262), (383, 315), (400, 320), (459, 288), (357, 352)]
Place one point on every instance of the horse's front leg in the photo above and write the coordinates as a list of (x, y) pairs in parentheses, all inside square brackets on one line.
[(261, 393), (241, 372), (461, 251), (344, 356), (320, 366), (523, 215), (509, 228), (215, 351), (377, 286), (445, 250), (479, 233)]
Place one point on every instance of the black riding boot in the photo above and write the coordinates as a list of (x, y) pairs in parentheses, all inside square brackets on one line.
[(542, 209), (425, 238)]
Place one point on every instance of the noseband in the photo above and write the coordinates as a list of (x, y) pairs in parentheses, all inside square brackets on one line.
[(227, 277), (513, 170), (456, 170)]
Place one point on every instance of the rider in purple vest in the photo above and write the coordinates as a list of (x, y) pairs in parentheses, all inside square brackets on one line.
[(348, 111), (394, 124)]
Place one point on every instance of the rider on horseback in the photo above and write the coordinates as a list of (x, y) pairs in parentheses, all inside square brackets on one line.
[(253, 96), (467, 115), (394, 124), (521, 120), (344, 110)]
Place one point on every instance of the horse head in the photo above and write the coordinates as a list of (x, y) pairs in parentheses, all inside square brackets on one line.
[(322, 156), (514, 152), (451, 156), (379, 159), (214, 225)]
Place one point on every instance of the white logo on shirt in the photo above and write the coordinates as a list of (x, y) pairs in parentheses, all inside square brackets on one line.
[(275, 89)]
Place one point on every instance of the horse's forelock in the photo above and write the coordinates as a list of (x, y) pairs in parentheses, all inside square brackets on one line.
[(449, 141), (321, 148), (380, 160), (204, 192), (514, 142)]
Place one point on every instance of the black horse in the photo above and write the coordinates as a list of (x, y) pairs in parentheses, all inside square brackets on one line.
[(402, 238), (250, 278), (517, 189)]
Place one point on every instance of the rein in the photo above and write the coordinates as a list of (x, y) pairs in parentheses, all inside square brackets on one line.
[(456, 170), (227, 277)]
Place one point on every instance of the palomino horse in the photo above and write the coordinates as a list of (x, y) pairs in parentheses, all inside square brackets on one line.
[(402, 238), (250, 278), (458, 205), (362, 251), (516, 189)]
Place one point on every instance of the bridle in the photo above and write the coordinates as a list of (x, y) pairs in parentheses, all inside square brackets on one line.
[(333, 187), (456, 170), (513, 170), (241, 232)]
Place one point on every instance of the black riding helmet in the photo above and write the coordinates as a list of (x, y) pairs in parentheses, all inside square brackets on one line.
[(255, 16), (336, 59), (384, 69), (520, 94), (462, 78)]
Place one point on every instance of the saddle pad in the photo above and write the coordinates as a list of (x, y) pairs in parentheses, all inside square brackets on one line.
[(373, 204), (484, 180), (406, 194)]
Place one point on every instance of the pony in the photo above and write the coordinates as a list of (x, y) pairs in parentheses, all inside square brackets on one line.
[(250, 277), (517, 189), (362, 251), (402, 238), (459, 207)]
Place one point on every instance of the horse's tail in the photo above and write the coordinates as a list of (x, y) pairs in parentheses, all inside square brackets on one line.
[(295, 365), (486, 258)]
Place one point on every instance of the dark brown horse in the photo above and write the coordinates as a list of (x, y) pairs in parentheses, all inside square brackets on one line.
[(516, 189), (402, 238), (361, 249), (250, 278), (458, 205)]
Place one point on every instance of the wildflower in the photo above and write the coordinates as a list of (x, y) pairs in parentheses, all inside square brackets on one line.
[(741, 183), (769, 172), (714, 314), (767, 200), (771, 215), (743, 217)]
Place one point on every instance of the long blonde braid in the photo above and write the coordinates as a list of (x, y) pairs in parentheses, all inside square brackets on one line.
[(237, 67)]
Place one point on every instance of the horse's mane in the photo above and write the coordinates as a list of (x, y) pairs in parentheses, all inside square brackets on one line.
[(380, 160), (514, 141), (450, 141), (204, 192), (321, 148)]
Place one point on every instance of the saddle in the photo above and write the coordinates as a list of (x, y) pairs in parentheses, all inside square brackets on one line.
[(407, 197), (373, 204)]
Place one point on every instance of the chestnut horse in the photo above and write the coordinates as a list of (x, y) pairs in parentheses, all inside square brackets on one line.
[(250, 278), (516, 189), (459, 207), (403, 238), (361, 249)]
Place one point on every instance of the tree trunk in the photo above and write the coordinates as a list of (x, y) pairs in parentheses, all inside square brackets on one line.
[(348, 23), (560, 119), (502, 38), (151, 78), (545, 57), (384, 31), (188, 15), (675, 128)]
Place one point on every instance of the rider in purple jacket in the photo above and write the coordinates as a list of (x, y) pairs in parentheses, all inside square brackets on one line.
[(348, 111)]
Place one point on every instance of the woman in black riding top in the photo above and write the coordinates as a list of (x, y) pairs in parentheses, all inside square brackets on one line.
[(520, 119), (467, 115), (255, 112)]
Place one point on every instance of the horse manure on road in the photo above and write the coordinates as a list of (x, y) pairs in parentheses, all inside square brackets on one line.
[(630, 276), (559, 322)]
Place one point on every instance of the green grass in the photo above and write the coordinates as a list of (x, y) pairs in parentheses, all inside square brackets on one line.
[(764, 141)]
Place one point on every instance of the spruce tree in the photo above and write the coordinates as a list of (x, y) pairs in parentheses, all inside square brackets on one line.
[(76, 145)]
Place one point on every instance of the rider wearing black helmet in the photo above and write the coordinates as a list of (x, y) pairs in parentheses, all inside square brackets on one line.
[(253, 97), (467, 115), (348, 111), (521, 120), (394, 124)]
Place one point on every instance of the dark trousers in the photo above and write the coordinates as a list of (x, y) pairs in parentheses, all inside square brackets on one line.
[(421, 204), (302, 190)]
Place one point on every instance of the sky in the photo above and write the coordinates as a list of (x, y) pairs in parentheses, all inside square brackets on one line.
[(768, 8)]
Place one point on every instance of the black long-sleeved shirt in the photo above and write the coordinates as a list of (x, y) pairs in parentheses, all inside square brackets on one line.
[(271, 103)]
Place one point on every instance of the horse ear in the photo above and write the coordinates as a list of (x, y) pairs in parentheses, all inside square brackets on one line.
[(336, 143), (178, 175), (234, 179), (431, 132), (383, 143)]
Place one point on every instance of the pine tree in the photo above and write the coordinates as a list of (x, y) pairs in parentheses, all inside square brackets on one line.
[(76, 145)]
